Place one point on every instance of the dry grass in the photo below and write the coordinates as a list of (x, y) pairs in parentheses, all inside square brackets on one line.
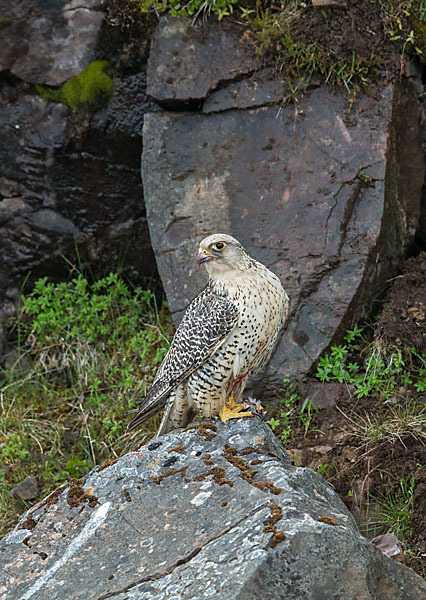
[(396, 421)]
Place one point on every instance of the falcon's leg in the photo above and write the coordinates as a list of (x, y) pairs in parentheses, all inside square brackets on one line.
[(235, 410), (232, 410)]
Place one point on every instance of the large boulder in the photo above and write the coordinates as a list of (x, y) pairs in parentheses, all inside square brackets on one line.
[(187, 72), (207, 511), (70, 188), (49, 42), (328, 198)]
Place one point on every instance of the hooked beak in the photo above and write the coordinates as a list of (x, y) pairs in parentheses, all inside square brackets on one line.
[(204, 256)]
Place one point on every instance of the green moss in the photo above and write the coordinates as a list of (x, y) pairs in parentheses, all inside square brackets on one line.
[(4, 22), (90, 87)]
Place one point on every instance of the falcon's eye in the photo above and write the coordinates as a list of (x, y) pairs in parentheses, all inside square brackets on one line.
[(218, 246)]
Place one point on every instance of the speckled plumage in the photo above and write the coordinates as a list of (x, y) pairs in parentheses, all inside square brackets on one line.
[(227, 334)]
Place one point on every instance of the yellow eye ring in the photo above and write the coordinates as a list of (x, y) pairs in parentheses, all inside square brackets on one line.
[(219, 246)]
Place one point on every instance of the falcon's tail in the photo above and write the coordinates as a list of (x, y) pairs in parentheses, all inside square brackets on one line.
[(154, 401), (165, 425)]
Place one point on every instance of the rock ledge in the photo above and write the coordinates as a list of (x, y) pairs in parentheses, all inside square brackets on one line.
[(207, 511)]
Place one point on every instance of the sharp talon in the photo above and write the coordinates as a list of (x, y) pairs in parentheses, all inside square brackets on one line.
[(232, 410)]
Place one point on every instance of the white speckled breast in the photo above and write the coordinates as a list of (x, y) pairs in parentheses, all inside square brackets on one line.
[(262, 305)]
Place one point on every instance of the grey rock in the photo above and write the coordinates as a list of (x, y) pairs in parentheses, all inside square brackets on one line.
[(53, 221), (180, 66), (49, 42), (8, 188), (262, 88), (328, 202), (28, 489), (332, 3), (388, 543), (188, 517), (62, 187), (123, 116), (9, 207)]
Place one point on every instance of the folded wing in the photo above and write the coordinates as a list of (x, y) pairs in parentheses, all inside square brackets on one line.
[(207, 323)]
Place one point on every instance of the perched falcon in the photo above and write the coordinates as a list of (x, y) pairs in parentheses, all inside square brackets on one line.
[(227, 334)]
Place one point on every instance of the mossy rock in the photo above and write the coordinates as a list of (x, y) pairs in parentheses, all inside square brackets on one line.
[(91, 87)]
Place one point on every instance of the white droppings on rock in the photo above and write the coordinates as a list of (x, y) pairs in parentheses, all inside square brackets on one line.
[(17, 537), (146, 543), (201, 498)]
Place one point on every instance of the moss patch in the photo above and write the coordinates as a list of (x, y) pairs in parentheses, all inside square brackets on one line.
[(269, 525), (91, 87), (158, 479)]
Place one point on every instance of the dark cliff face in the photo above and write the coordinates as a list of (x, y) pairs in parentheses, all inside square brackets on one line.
[(70, 187), (68, 196), (325, 192)]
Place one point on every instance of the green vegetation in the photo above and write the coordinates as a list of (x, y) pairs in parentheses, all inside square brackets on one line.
[(91, 87), (192, 8), (278, 33), (406, 22), (393, 512), (397, 419), (382, 371), (86, 355), (395, 374), (293, 413)]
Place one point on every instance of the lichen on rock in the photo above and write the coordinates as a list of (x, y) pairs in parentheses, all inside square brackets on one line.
[(182, 533), (92, 87)]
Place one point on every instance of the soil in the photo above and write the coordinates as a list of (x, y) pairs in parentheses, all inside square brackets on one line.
[(356, 29), (360, 471), (352, 42), (402, 321)]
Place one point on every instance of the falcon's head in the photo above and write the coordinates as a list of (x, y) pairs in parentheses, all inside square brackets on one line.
[(222, 253)]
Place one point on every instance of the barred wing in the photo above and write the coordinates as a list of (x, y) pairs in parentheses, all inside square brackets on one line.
[(207, 323)]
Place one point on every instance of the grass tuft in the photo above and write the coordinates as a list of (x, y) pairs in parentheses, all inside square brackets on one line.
[(393, 512), (293, 413), (395, 374)]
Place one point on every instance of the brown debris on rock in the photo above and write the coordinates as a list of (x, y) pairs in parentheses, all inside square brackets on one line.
[(196, 537)]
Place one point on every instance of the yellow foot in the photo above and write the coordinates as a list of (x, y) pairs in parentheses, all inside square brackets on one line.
[(232, 410)]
